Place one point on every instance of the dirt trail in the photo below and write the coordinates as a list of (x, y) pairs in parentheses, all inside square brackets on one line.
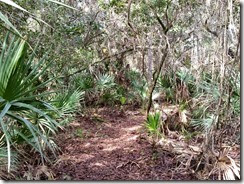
[(109, 146)]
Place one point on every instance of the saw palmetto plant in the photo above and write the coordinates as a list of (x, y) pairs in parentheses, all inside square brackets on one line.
[(19, 95), (68, 101), (165, 73), (153, 123), (225, 167), (138, 86), (104, 82)]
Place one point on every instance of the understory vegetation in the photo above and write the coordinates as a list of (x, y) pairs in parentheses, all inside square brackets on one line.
[(177, 61)]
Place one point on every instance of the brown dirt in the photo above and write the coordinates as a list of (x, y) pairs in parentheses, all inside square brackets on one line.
[(108, 145)]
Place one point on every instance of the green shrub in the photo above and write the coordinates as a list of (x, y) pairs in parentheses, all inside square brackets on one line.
[(153, 123), (138, 87), (19, 96), (68, 101), (84, 82)]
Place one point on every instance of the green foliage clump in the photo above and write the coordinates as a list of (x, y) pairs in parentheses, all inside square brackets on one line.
[(118, 5), (68, 101), (189, 80), (153, 123), (85, 82), (104, 90), (138, 87), (19, 97), (166, 85)]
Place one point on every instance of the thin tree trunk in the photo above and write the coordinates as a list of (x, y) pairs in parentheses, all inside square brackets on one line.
[(154, 82), (150, 59), (143, 62)]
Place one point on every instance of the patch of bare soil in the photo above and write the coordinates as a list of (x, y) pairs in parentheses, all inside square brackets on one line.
[(107, 145)]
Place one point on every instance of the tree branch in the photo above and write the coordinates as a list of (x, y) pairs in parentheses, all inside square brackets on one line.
[(165, 28), (209, 30), (107, 57), (128, 16), (157, 73)]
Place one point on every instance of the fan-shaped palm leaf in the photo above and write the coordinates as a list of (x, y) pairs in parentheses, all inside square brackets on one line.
[(18, 95)]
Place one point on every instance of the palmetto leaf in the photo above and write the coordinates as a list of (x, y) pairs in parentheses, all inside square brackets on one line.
[(52, 125), (13, 4), (18, 96), (104, 81), (67, 102), (228, 167), (62, 4), (5, 19), (153, 122), (6, 133), (204, 124), (8, 23), (4, 161)]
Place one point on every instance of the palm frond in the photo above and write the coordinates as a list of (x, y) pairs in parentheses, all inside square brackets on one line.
[(68, 101), (18, 97), (104, 81)]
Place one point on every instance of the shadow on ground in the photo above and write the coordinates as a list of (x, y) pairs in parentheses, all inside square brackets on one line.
[(112, 146)]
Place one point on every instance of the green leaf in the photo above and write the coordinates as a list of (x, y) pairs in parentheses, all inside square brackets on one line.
[(32, 108), (8, 23), (18, 99), (11, 3), (5, 132), (62, 4), (32, 130)]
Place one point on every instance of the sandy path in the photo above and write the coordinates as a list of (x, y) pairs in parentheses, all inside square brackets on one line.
[(111, 147)]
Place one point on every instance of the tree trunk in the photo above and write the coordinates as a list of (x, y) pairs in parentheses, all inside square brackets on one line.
[(154, 82), (143, 62), (150, 60)]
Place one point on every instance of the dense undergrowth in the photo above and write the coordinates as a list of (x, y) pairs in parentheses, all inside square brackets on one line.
[(86, 63)]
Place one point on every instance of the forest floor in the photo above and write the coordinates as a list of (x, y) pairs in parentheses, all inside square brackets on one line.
[(106, 144), (110, 144)]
